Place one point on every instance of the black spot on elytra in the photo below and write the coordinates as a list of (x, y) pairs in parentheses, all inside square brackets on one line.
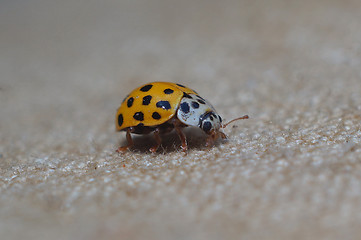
[(130, 102), (195, 104), (120, 120), (168, 91), (146, 88), (163, 104), (184, 107), (156, 116), (138, 116), (146, 100), (207, 126), (187, 95), (180, 85)]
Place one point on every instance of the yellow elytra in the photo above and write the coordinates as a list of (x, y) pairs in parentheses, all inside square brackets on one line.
[(150, 105)]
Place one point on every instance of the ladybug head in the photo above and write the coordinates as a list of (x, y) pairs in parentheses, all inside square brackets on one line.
[(210, 122)]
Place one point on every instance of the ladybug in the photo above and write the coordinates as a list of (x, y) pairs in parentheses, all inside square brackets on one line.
[(160, 107)]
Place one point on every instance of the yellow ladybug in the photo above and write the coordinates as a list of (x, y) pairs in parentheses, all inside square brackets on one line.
[(160, 107)]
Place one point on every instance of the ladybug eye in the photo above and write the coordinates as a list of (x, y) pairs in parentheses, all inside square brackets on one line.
[(207, 126)]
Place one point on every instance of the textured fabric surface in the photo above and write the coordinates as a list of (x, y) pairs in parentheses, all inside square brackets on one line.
[(292, 171)]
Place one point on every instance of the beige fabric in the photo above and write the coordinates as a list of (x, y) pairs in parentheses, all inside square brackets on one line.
[(292, 171)]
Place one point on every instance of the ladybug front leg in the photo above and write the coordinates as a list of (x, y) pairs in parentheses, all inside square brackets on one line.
[(213, 137), (157, 139), (130, 143), (223, 135), (210, 140)]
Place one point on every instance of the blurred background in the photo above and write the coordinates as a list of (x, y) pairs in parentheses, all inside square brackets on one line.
[(293, 66)]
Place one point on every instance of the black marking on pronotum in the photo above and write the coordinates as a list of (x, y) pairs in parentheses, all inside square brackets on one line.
[(163, 104), (213, 116), (185, 95), (146, 100), (200, 97), (146, 88), (201, 101), (184, 107), (120, 120), (130, 102), (138, 116), (156, 116), (168, 91), (180, 85), (195, 104)]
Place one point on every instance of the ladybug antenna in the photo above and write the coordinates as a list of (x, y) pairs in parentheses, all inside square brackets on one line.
[(236, 119)]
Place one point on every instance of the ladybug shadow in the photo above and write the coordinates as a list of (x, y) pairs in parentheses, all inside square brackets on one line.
[(196, 139)]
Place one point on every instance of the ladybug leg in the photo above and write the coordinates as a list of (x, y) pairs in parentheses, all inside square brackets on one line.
[(130, 143), (182, 138), (223, 135), (157, 139), (214, 136), (210, 140)]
